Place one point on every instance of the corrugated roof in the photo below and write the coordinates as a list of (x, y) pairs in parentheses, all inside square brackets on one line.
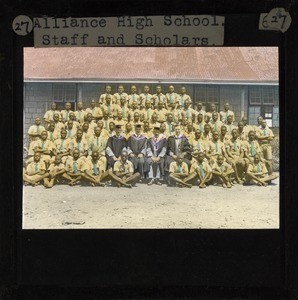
[(236, 64)]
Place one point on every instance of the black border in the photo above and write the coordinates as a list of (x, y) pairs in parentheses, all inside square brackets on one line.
[(148, 262)]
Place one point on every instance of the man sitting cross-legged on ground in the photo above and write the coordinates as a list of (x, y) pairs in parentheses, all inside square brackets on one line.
[(200, 170), (178, 172), (93, 169), (55, 172), (221, 171), (35, 171), (73, 167), (123, 172), (257, 173)]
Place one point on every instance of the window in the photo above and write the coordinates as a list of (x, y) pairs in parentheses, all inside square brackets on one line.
[(268, 95), (212, 94), (255, 95), (64, 92), (201, 94)]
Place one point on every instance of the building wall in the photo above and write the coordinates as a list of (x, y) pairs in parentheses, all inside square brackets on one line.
[(39, 96)]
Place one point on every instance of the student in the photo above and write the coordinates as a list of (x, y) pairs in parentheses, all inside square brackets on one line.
[(197, 144), (95, 111), (87, 132), (187, 111), (73, 168), (241, 133), (72, 117), (215, 123), (251, 147), (225, 136), (229, 123), (92, 169), (200, 170), (128, 131), (247, 128), (58, 125), (209, 113), (158, 96), (49, 115), (109, 108), (207, 135), (90, 121), (117, 96), (135, 119), (169, 124), (172, 97), (200, 123), (65, 112), (155, 153), (148, 111), (133, 96), (133, 110), (176, 112), (161, 112), (154, 120), (225, 113), (55, 172), (80, 113), (45, 147), (265, 136), (108, 92), (122, 108), (235, 156), (112, 128), (62, 146), (136, 149), (98, 143), (200, 110), (221, 171), (53, 134), (183, 97), (257, 173), (124, 172), (188, 132), (214, 147), (115, 145), (178, 172), (35, 171), (80, 144), (35, 130), (71, 131), (146, 96)]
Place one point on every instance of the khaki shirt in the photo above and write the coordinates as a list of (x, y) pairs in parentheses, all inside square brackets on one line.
[(251, 148), (161, 114), (188, 113), (224, 115), (59, 126), (53, 135), (96, 112), (123, 110), (128, 167), (56, 168), (132, 98), (160, 97), (97, 168), (62, 146), (202, 168), (49, 115), (215, 148), (36, 129), (264, 132), (215, 125), (175, 168), (81, 146), (144, 97), (98, 144), (235, 147), (257, 169), (224, 167), (34, 167), (74, 166), (182, 99), (47, 145), (65, 115), (117, 96), (172, 98), (198, 145), (80, 116), (102, 98)]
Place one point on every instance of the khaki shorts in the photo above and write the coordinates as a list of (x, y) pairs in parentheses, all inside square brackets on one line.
[(267, 151)]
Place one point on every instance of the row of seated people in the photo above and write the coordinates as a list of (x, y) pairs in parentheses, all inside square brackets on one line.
[(153, 156)]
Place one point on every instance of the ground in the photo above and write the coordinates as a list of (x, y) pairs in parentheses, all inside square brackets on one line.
[(64, 207)]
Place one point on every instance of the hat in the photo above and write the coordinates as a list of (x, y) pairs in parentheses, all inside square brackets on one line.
[(118, 125), (138, 124), (156, 126)]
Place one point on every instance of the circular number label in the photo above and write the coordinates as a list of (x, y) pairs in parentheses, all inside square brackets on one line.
[(22, 25)]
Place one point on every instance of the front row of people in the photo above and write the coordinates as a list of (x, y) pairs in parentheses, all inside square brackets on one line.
[(91, 170)]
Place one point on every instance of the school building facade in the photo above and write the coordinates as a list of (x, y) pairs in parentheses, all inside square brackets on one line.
[(247, 78)]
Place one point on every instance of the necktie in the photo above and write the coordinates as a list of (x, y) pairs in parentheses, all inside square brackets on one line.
[(179, 169), (222, 168), (133, 97), (51, 136), (201, 170), (97, 141), (42, 145), (199, 146), (53, 114), (252, 149), (216, 147), (187, 113), (201, 127), (74, 167), (123, 112), (66, 117), (264, 131), (36, 167), (95, 169), (171, 99), (61, 146), (181, 101), (215, 126), (79, 145), (235, 146), (146, 96), (227, 115), (68, 132), (148, 114), (37, 128), (170, 128), (258, 168), (79, 115)]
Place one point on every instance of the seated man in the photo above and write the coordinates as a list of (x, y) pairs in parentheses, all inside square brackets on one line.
[(156, 151), (71, 130), (35, 130), (62, 146), (53, 134), (73, 168), (183, 97), (35, 171), (49, 115), (200, 170), (115, 145), (178, 172), (177, 144), (98, 143), (214, 148), (136, 149), (257, 173), (221, 171), (93, 169), (124, 172), (55, 172), (95, 111)]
